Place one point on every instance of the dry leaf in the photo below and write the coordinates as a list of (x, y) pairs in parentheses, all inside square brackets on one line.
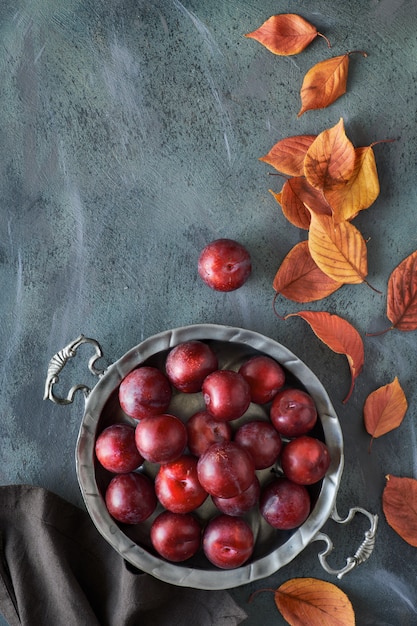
[(286, 34), (338, 249), (287, 155), (299, 279), (295, 196), (384, 409), (399, 503), (360, 191), (340, 336), (402, 295), (313, 602), (324, 83), (330, 160)]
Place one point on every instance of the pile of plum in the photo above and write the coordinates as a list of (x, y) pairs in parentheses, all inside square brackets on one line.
[(211, 455)]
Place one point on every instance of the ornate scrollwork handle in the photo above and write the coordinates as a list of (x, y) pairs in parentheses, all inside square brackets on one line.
[(58, 362), (362, 553)]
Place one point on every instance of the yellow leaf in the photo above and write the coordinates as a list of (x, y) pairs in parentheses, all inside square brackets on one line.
[(360, 191), (339, 250)]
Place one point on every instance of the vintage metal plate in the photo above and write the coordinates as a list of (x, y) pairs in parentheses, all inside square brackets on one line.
[(274, 549)]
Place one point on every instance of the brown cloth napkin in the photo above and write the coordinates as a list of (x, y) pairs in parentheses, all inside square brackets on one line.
[(56, 569)]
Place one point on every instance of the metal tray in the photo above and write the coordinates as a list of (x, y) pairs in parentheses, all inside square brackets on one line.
[(273, 549)]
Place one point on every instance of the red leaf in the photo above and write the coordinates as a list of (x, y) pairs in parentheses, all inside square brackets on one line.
[(287, 155), (399, 503), (299, 279), (340, 336)]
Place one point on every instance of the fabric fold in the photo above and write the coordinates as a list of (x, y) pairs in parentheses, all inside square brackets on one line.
[(55, 568)]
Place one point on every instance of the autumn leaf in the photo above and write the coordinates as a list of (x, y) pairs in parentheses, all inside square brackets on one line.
[(287, 155), (295, 196), (299, 279), (324, 83), (330, 160), (384, 409), (402, 295), (286, 34), (338, 249), (360, 191), (303, 601), (399, 503), (340, 336)]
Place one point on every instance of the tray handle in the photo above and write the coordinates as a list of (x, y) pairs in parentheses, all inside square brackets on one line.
[(362, 553), (57, 364)]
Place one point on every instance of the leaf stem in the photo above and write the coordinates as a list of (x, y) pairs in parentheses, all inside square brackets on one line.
[(371, 287), (281, 317), (255, 593), (379, 332), (329, 45), (362, 52), (352, 384), (375, 143)]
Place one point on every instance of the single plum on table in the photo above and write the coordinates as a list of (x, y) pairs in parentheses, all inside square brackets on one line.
[(224, 265)]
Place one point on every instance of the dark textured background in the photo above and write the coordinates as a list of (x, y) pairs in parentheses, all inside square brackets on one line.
[(130, 135)]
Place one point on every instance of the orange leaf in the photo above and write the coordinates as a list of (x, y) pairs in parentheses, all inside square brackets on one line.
[(338, 249), (360, 191), (285, 34), (399, 503), (384, 409), (330, 160), (299, 278), (402, 295), (295, 196), (303, 601), (340, 336), (287, 155), (325, 82)]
